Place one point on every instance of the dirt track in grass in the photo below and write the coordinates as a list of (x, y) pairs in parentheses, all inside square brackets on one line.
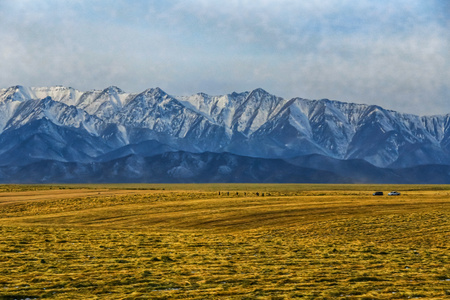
[(55, 194)]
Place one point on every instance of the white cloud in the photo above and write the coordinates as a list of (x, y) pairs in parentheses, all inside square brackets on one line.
[(393, 54)]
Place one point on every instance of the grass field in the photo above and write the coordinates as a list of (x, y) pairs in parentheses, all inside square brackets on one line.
[(224, 241)]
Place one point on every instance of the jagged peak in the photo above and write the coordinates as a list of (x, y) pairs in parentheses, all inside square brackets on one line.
[(376, 109), (13, 88), (326, 101), (332, 103), (242, 94), (17, 89), (17, 93), (56, 87), (153, 95), (20, 93), (113, 89), (154, 91), (202, 94), (259, 91)]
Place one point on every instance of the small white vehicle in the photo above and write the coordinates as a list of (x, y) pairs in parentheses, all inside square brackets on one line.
[(393, 193)]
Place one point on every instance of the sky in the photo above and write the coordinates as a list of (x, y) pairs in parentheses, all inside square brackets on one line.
[(395, 54)]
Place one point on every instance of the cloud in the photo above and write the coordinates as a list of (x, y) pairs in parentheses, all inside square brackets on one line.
[(393, 54)]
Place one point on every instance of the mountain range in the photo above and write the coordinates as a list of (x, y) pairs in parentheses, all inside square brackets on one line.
[(60, 134)]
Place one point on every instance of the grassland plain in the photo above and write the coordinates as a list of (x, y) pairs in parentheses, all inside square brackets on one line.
[(224, 241)]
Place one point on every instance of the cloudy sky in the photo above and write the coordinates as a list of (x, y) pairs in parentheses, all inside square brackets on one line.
[(392, 53)]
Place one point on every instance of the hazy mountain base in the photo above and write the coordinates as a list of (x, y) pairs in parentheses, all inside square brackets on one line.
[(186, 167)]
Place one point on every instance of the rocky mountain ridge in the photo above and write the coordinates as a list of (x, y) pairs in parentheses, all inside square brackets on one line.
[(64, 125)]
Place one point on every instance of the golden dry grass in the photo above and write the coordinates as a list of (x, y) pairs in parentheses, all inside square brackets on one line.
[(189, 241)]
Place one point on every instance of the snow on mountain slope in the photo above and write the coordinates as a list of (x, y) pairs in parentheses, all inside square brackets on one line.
[(104, 104), (355, 131), (258, 108), (7, 110), (240, 112), (57, 112), (16, 93), (157, 111), (255, 124), (332, 126), (219, 109), (66, 95), (41, 139)]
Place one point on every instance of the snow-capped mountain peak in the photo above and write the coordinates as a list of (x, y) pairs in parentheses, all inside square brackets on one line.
[(254, 123)]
